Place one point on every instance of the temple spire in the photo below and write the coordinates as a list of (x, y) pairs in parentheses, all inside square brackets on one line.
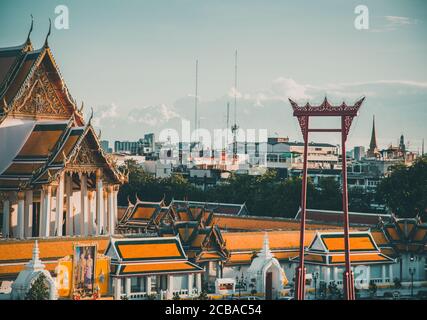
[(373, 148), (266, 252), (373, 144), (35, 262)]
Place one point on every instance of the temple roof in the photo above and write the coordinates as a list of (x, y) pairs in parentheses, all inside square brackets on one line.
[(14, 254), (150, 255), (36, 151), (236, 223), (327, 248), (336, 217), (215, 207), (41, 129)]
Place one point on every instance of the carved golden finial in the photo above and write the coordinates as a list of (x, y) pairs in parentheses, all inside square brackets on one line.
[(31, 29), (48, 33), (91, 115)]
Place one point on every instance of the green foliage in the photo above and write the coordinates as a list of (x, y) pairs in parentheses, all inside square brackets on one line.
[(265, 195), (203, 296), (405, 189), (39, 290)]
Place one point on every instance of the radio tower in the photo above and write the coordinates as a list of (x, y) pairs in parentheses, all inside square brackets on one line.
[(234, 128), (196, 96)]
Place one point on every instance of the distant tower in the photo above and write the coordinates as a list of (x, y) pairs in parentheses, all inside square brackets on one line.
[(373, 148), (402, 147)]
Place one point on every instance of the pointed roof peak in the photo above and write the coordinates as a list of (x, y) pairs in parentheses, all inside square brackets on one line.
[(266, 252), (35, 262)]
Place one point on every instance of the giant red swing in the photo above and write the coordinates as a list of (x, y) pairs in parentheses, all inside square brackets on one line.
[(303, 114)]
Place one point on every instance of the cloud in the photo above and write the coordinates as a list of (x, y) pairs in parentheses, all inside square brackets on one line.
[(392, 23), (399, 21), (399, 105), (152, 115)]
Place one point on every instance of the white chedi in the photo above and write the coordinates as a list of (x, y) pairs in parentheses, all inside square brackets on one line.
[(26, 278), (261, 265)]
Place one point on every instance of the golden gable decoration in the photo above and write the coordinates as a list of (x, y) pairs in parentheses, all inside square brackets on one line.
[(40, 99)]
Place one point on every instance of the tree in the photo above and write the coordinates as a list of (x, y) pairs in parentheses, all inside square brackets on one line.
[(39, 290), (404, 190)]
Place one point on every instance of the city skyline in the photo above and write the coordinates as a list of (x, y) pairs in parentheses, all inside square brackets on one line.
[(145, 82)]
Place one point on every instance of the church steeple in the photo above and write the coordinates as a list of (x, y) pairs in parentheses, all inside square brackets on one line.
[(373, 144), (373, 148)]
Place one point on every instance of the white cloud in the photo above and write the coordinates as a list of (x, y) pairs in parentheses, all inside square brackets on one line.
[(399, 21), (392, 23), (152, 115)]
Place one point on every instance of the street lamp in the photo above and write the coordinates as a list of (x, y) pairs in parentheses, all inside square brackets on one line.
[(315, 276), (240, 282), (412, 272)]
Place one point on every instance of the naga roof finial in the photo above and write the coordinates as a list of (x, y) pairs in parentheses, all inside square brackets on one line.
[(48, 33), (31, 29)]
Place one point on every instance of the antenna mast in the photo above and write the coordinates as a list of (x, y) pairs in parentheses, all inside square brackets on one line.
[(196, 96), (234, 128)]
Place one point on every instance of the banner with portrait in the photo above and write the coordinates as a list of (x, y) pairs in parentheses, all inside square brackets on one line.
[(84, 269)]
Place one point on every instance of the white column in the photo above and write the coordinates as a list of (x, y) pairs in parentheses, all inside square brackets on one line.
[(115, 193), (170, 287), (41, 212), (128, 286), (190, 283), (111, 224), (52, 216), (46, 211), (60, 205), (148, 285), (28, 213), (99, 203), (368, 276), (92, 227), (69, 204), (390, 271), (20, 228), (383, 273), (14, 218), (199, 282), (117, 288), (84, 221), (335, 274), (6, 218), (105, 211)]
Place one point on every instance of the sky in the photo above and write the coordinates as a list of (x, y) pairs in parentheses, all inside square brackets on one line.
[(133, 62)]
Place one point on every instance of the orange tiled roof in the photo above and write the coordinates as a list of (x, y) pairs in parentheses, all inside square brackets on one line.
[(21, 250), (262, 223), (358, 258), (148, 250), (15, 254), (155, 268), (143, 213), (379, 238), (358, 242), (245, 241)]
